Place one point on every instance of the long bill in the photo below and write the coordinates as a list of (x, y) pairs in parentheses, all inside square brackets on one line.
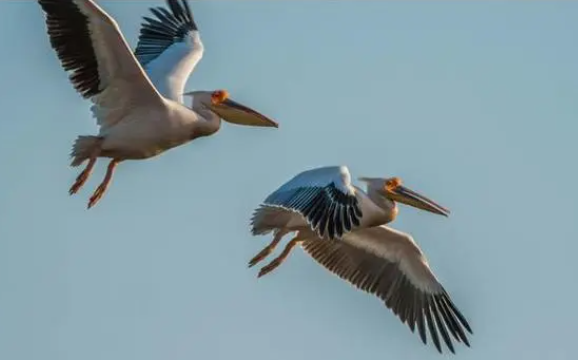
[(409, 197), (235, 113)]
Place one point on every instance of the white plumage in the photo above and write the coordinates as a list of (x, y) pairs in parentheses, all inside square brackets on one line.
[(137, 101), (136, 120), (324, 198), (324, 176), (373, 257), (170, 48)]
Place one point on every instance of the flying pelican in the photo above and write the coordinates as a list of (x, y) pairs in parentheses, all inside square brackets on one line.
[(343, 229), (140, 112)]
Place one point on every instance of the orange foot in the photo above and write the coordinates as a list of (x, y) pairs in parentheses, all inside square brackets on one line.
[(279, 259), (97, 195), (101, 189), (261, 255), (80, 180), (270, 267), (82, 177), (268, 249)]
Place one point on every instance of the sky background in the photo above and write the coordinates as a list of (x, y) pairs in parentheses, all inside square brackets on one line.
[(473, 104)]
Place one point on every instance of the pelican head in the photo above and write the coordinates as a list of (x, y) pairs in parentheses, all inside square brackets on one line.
[(218, 101), (392, 189)]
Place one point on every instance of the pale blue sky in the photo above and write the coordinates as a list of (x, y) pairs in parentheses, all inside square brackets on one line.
[(473, 104)]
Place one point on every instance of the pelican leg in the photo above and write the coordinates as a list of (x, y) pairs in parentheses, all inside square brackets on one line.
[(279, 259), (85, 174), (101, 189), (269, 248)]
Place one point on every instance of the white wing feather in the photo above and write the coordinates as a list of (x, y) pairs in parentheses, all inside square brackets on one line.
[(323, 176), (398, 248), (389, 264), (103, 69), (169, 48), (324, 197)]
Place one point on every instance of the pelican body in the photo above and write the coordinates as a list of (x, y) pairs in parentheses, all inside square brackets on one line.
[(138, 99), (344, 229)]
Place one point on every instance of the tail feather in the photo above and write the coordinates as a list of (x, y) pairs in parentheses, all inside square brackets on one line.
[(269, 218), (83, 148)]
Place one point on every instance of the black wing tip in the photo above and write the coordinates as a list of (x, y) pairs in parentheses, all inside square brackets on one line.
[(341, 216), (166, 28), (182, 11), (435, 318), (453, 320), (69, 34), (426, 312), (329, 212), (457, 312)]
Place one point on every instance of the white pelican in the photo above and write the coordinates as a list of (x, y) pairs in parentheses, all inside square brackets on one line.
[(343, 229), (139, 112)]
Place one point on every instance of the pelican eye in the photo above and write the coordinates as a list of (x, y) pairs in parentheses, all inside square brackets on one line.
[(393, 183), (219, 96)]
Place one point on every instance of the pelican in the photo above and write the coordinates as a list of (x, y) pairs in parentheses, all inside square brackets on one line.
[(343, 229), (137, 98)]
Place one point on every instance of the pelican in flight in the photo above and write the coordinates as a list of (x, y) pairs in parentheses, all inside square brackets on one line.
[(137, 98), (343, 229)]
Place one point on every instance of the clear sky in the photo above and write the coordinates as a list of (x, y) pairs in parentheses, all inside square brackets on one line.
[(473, 104)]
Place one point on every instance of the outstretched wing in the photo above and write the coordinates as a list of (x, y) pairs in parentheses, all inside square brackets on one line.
[(324, 197), (169, 47), (102, 68), (389, 264)]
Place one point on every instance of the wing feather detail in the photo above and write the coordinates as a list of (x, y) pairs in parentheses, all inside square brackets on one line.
[(169, 47), (324, 197), (388, 264)]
